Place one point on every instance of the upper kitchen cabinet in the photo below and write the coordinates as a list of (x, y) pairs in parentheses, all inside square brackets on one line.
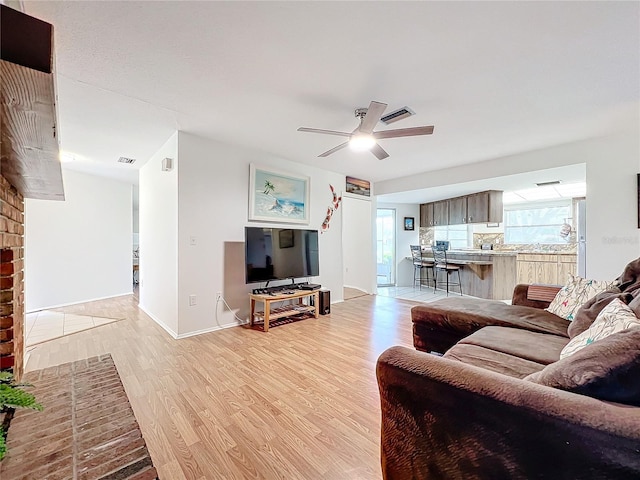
[(441, 213), (435, 213), (426, 215), (484, 207), (457, 210)]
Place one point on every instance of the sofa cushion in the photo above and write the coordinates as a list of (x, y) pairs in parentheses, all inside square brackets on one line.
[(588, 312), (615, 317), (468, 315), (574, 294), (608, 369), (492, 360), (541, 348)]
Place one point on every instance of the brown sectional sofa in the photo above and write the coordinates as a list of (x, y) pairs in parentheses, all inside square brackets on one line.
[(471, 414)]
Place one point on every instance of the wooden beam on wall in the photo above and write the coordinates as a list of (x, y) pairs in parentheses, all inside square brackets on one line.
[(29, 141)]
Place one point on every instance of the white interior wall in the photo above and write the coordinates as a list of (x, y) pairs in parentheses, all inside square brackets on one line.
[(78, 250), (358, 243), (404, 238), (612, 163), (613, 237), (158, 275), (213, 193)]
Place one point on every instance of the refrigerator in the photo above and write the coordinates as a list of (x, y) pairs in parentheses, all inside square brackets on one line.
[(581, 237)]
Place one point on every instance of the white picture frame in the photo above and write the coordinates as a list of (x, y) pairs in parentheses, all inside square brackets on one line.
[(276, 196)]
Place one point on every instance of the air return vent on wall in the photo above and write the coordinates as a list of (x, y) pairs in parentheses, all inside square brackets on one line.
[(399, 114), (126, 160)]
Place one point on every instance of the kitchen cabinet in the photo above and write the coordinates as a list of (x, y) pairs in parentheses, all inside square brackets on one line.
[(457, 210), (484, 207), (441, 212), (426, 215), (547, 268)]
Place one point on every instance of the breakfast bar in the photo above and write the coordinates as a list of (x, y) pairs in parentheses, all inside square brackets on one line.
[(484, 273)]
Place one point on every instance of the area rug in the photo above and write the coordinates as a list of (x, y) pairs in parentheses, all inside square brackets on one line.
[(87, 429)]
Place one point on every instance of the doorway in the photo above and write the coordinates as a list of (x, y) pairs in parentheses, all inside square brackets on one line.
[(386, 246)]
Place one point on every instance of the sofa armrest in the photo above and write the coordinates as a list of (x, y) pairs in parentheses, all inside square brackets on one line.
[(443, 419), (534, 295)]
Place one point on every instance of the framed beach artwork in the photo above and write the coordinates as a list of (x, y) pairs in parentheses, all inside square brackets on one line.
[(358, 187), (278, 196)]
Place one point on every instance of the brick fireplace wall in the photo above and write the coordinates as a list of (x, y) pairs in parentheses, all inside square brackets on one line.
[(11, 278)]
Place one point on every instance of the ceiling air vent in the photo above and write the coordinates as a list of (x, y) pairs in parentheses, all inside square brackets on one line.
[(403, 112), (126, 160), (544, 184)]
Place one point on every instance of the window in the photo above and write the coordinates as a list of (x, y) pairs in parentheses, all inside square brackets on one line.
[(535, 222), (457, 235)]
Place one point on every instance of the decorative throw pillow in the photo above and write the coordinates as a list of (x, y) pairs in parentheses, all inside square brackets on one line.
[(575, 293), (609, 369), (615, 317), (635, 304)]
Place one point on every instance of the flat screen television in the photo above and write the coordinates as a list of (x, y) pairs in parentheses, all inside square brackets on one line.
[(280, 253)]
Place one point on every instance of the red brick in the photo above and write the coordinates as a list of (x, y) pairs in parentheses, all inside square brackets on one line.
[(102, 431), (6, 347), (6, 269), (6, 310), (6, 362), (6, 255), (6, 322), (6, 334), (11, 240)]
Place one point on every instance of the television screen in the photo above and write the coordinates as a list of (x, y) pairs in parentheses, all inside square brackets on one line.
[(280, 253)]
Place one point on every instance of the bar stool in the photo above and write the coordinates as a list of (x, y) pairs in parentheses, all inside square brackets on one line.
[(419, 264), (441, 265)]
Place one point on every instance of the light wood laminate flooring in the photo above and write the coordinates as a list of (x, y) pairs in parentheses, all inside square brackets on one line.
[(299, 402)]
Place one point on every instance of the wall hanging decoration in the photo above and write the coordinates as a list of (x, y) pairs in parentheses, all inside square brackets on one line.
[(409, 223), (335, 203), (277, 196), (358, 187)]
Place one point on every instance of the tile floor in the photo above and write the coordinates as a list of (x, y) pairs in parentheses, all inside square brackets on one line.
[(425, 294), (48, 324)]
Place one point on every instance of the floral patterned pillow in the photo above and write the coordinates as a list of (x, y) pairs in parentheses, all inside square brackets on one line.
[(613, 318), (575, 294)]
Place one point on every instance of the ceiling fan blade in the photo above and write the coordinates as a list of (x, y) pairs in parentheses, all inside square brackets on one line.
[(334, 149), (374, 112), (328, 132), (379, 152), (404, 132)]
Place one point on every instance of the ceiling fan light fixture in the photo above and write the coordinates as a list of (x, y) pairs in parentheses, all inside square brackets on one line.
[(361, 142)]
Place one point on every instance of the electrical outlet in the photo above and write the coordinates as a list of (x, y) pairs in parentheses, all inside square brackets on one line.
[(218, 296), (192, 300)]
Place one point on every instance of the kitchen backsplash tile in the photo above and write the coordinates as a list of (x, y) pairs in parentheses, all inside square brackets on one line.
[(497, 239)]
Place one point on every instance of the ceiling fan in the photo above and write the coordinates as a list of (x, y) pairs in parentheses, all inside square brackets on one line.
[(363, 137)]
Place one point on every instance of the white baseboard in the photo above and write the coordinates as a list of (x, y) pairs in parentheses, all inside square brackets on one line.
[(76, 303), (189, 334), (173, 334), (212, 329)]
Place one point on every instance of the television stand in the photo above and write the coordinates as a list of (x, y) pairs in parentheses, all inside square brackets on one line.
[(311, 307)]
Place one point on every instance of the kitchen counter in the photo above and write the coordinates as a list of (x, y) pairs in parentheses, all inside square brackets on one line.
[(484, 273), (477, 251)]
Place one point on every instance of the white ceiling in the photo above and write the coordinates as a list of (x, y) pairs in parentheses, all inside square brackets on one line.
[(495, 78), (569, 174)]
